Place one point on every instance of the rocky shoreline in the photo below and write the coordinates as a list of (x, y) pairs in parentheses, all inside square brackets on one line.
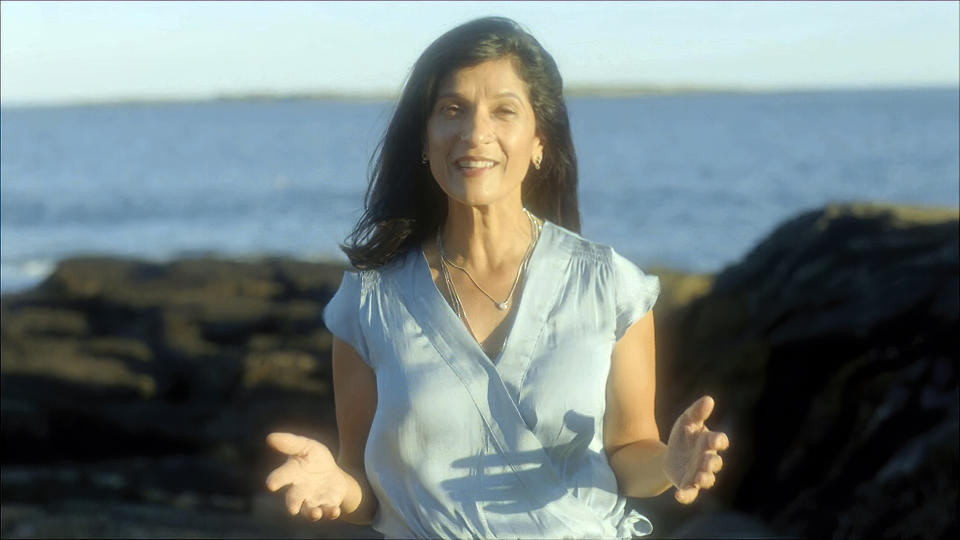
[(136, 396)]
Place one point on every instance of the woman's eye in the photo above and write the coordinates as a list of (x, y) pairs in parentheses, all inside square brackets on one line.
[(449, 110), (506, 111)]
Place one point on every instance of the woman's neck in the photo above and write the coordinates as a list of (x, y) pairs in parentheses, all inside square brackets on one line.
[(486, 238)]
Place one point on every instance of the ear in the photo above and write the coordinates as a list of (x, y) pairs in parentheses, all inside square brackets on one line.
[(537, 150)]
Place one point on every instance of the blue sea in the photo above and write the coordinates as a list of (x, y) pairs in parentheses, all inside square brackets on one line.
[(689, 181)]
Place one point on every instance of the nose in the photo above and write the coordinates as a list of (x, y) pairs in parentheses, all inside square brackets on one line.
[(477, 129)]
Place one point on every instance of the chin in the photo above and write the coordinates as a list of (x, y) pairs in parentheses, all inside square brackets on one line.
[(479, 191), (477, 195)]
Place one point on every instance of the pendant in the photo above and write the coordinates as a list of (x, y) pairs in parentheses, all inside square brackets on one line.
[(502, 306)]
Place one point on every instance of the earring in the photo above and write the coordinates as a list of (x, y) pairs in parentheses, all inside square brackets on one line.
[(423, 157), (536, 162)]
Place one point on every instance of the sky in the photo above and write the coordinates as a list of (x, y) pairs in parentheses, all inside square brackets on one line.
[(69, 52)]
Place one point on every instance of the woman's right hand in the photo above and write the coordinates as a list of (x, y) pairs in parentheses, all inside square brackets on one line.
[(317, 484)]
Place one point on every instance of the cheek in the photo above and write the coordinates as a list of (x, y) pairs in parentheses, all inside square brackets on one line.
[(438, 136), (521, 138), (520, 148)]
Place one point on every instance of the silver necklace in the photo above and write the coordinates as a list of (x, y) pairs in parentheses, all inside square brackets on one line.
[(503, 306), (536, 227)]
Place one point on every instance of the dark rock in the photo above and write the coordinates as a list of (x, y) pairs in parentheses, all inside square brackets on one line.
[(678, 289), (113, 357), (724, 525), (831, 349), (188, 518), (136, 396)]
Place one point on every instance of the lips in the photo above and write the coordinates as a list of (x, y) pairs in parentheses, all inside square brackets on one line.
[(474, 163)]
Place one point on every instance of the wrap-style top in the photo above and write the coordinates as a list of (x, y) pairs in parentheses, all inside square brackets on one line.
[(462, 445)]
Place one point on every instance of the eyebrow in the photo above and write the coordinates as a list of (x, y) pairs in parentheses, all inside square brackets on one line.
[(506, 93)]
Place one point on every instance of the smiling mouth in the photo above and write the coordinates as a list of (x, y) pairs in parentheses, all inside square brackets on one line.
[(475, 164)]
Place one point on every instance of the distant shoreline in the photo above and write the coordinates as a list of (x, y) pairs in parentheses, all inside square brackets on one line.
[(576, 91)]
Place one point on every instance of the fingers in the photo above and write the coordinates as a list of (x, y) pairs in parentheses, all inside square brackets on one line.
[(313, 513), (712, 463), (316, 512), (704, 480), (294, 499), (290, 444), (686, 495), (333, 512), (712, 441), (700, 410), (298, 502), (716, 441), (704, 477), (701, 480), (284, 475), (297, 498)]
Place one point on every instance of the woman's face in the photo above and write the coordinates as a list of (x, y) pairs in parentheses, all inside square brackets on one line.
[(482, 134)]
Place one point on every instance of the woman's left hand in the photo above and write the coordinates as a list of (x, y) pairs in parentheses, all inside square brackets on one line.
[(691, 459)]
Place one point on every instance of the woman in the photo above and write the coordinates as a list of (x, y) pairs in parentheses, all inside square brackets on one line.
[(493, 371)]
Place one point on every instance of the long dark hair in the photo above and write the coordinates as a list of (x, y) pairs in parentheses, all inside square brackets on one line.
[(404, 205)]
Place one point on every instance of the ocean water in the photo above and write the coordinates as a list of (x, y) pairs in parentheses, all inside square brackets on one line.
[(691, 181)]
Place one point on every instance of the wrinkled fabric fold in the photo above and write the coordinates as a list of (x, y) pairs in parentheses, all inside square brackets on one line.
[(465, 446)]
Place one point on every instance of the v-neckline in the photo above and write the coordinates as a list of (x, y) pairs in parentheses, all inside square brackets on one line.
[(517, 312)]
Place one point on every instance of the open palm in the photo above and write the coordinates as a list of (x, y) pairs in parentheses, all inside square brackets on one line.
[(317, 484), (691, 460)]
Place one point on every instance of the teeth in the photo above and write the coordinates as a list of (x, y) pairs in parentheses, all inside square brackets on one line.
[(475, 164)]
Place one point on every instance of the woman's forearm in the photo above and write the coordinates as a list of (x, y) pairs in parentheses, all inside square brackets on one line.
[(359, 503), (638, 467)]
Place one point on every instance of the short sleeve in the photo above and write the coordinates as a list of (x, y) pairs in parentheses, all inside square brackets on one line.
[(342, 314), (636, 292)]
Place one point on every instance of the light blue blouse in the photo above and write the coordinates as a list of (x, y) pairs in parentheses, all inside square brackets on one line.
[(465, 446)]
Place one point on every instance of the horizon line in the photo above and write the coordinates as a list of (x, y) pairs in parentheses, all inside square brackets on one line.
[(573, 91)]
